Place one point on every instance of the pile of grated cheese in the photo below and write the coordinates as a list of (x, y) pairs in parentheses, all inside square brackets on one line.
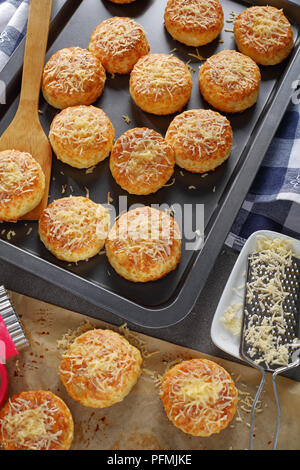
[(263, 336), (231, 319)]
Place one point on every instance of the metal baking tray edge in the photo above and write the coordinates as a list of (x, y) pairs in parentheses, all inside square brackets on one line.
[(224, 215)]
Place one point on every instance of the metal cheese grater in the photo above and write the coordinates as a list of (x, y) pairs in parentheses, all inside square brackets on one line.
[(12, 339), (256, 312), (12, 321)]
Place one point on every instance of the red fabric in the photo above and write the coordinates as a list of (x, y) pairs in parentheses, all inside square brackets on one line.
[(3, 385), (7, 349)]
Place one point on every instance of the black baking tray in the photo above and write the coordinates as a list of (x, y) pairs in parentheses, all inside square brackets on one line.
[(166, 301)]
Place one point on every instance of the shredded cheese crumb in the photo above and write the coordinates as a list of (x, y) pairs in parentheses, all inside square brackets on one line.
[(232, 318), (69, 337), (90, 170), (126, 118)]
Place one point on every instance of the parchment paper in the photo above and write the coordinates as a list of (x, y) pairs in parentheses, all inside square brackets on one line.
[(139, 422)]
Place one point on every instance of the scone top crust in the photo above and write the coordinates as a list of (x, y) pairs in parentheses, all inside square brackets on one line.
[(200, 135), (142, 161), (117, 39), (73, 76), (161, 77), (81, 136), (82, 128), (100, 368), (144, 244), (22, 184), (74, 228), (264, 30), (199, 397), (230, 74), (36, 420), (195, 15)]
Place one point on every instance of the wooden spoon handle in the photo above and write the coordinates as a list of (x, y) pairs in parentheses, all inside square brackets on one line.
[(35, 50)]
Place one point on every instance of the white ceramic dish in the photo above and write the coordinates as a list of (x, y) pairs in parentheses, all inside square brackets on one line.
[(235, 291)]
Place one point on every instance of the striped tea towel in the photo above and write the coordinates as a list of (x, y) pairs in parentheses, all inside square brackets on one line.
[(273, 202), (13, 21)]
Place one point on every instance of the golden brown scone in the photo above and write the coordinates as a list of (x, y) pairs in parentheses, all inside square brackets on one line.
[(73, 76), (144, 245), (264, 34), (194, 22), (22, 184), (36, 420), (160, 84), (141, 161), (201, 139), (230, 81), (74, 228), (100, 368), (199, 397), (81, 136), (118, 43)]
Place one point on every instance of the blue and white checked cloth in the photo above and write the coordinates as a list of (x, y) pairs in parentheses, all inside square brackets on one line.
[(273, 202), (13, 21)]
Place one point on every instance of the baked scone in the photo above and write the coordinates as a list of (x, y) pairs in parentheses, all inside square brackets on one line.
[(141, 161), (201, 139), (194, 22), (144, 245), (36, 420), (160, 84), (100, 368), (22, 184), (118, 43), (72, 76), (199, 397), (74, 228), (81, 136), (229, 81), (264, 34)]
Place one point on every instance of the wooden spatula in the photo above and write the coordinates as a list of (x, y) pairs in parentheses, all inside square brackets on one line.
[(25, 133)]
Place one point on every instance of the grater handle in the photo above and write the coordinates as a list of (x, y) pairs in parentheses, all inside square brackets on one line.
[(292, 365), (274, 375), (258, 393)]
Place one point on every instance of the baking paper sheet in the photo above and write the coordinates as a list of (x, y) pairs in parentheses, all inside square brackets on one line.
[(139, 422)]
